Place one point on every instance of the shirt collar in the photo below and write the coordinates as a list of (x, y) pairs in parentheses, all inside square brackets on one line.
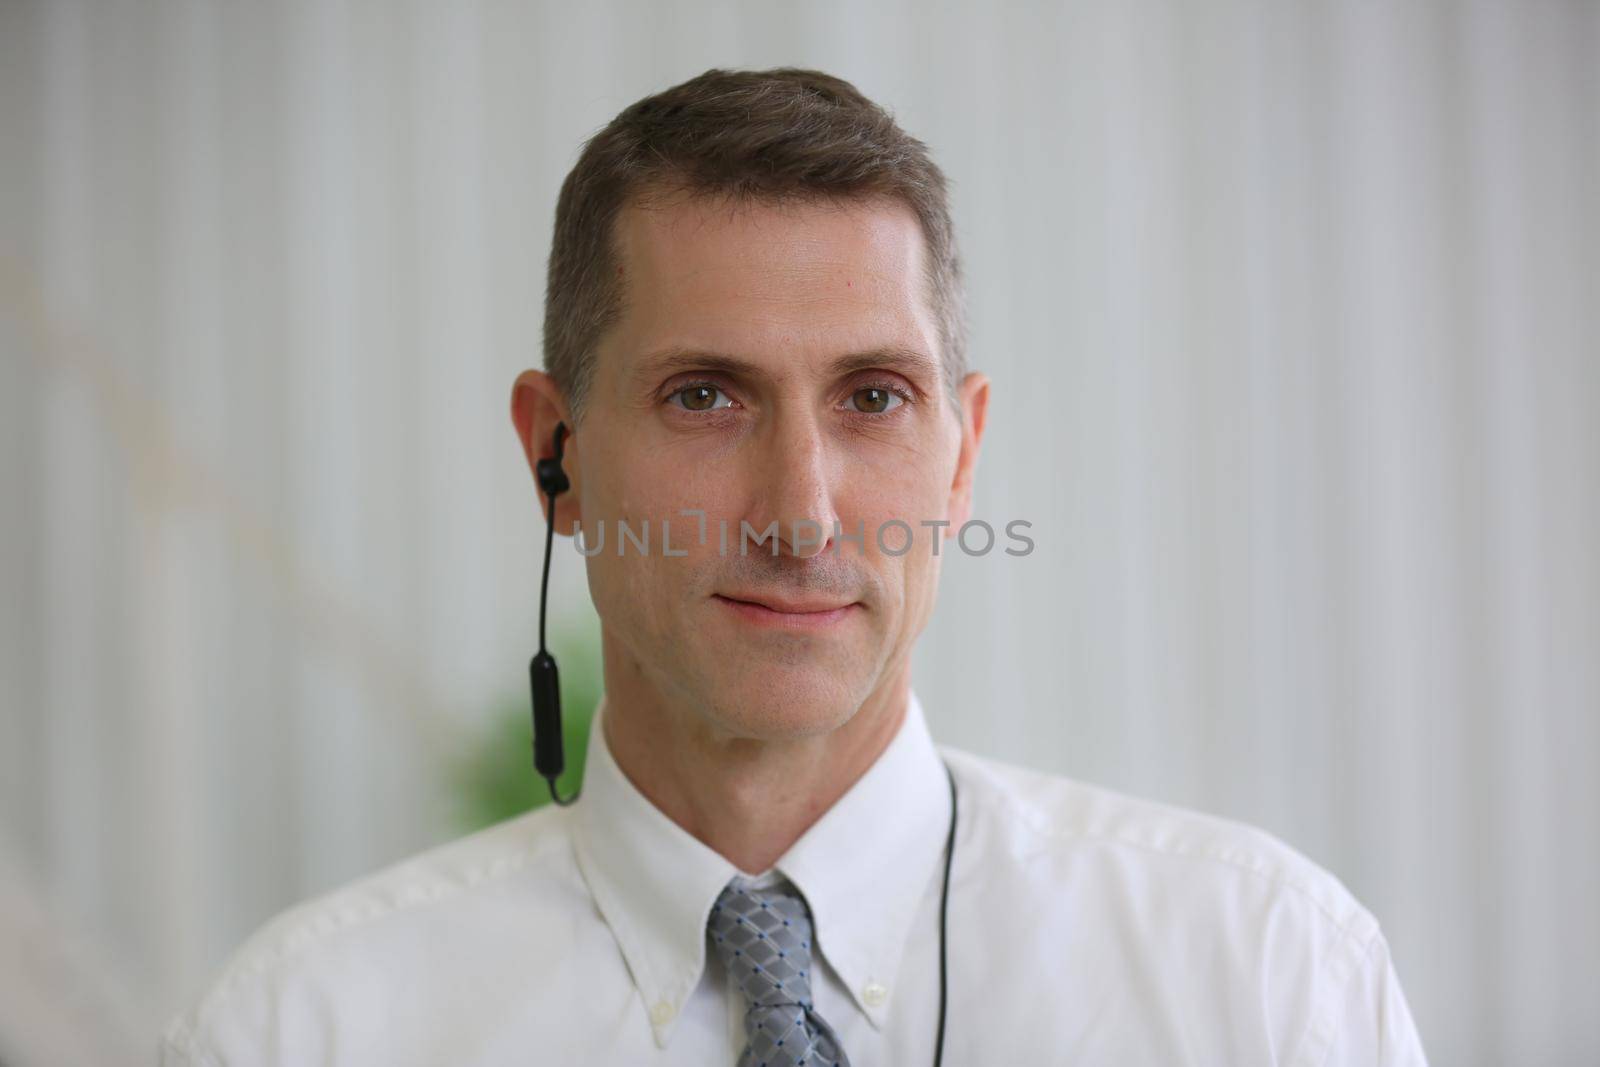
[(866, 863), (863, 867), (652, 880)]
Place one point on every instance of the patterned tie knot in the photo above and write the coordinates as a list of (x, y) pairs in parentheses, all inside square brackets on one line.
[(763, 937)]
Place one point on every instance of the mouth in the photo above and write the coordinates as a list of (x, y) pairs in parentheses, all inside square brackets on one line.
[(806, 614)]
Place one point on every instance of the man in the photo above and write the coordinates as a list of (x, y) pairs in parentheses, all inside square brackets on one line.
[(755, 348)]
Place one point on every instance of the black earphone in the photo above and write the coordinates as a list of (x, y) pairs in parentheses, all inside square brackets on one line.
[(550, 760)]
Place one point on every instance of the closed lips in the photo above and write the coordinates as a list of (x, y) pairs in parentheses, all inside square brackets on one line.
[(786, 607)]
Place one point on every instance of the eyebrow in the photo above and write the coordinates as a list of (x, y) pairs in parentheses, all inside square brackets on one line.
[(912, 362)]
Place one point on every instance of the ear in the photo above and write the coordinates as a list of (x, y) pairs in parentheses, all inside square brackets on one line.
[(537, 406), (974, 394)]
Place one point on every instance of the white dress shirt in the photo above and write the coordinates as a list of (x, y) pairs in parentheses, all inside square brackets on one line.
[(1085, 927)]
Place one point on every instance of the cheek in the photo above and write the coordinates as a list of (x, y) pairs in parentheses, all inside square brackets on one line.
[(912, 494), (661, 484), (922, 586), (884, 499), (640, 590), (907, 573), (640, 596)]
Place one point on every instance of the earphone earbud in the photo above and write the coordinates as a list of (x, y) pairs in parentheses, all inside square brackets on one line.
[(552, 477)]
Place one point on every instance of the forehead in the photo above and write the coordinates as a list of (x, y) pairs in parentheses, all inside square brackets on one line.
[(760, 278)]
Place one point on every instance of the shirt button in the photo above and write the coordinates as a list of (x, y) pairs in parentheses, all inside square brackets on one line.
[(875, 994), (662, 1013)]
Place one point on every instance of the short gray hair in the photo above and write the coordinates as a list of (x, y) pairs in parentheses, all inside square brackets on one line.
[(770, 135)]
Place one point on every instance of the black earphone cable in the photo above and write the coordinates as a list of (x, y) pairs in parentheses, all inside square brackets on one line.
[(544, 596), (944, 911), (544, 580)]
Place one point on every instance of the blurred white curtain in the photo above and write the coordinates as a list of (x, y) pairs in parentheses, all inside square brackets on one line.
[(1291, 312)]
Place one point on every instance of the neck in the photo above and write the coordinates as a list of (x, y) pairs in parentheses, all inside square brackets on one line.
[(747, 798)]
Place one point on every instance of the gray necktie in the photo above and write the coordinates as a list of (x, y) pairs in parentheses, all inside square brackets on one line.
[(764, 939)]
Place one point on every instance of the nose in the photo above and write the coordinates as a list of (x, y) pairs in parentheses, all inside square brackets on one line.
[(795, 488)]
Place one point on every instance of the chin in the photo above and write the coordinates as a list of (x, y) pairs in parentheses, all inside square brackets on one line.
[(787, 701)]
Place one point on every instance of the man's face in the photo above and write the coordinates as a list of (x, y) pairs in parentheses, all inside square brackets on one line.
[(774, 364)]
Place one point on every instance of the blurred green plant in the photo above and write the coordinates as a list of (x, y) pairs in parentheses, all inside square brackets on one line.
[(496, 780)]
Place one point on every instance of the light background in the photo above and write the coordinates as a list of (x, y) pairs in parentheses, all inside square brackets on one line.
[(1291, 311)]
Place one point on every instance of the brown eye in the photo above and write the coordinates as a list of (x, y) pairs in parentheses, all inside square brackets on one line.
[(698, 398), (874, 400)]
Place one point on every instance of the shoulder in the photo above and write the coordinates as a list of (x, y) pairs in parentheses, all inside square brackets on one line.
[(1042, 814), (1185, 923), (392, 914)]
